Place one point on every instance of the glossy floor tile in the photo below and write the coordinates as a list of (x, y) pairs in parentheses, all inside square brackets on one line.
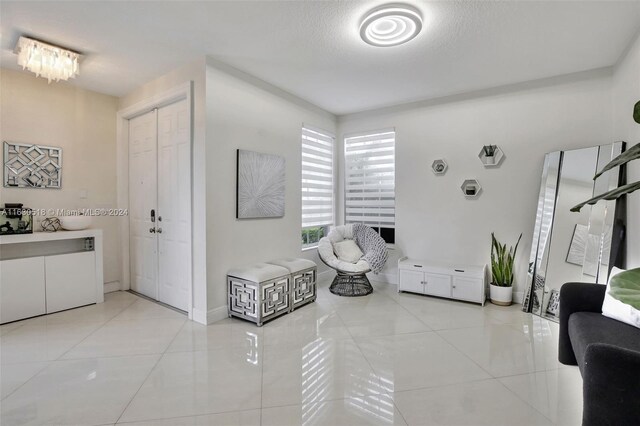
[(88, 391), (557, 394), (322, 370), (237, 418), (204, 382), (42, 342), (15, 375), (129, 337), (390, 359), (369, 410), (223, 334), (413, 361), (503, 350), (485, 402)]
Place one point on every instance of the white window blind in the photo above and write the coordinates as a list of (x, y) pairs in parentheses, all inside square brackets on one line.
[(317, 177), (370, 178)]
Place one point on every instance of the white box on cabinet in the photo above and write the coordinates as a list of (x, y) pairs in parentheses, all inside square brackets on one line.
[(460, 282), (66, 290), (22, 288)]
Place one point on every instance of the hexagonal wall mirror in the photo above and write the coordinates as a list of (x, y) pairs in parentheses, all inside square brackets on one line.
[(491, 155), (439, 167), (471, 188)]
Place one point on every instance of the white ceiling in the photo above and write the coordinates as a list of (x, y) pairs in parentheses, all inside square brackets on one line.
[(312, 48)]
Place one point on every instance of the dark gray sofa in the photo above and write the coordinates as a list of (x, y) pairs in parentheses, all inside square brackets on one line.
[(606, 351)]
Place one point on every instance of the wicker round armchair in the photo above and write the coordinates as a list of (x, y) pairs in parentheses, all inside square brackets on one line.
[(351, 278)]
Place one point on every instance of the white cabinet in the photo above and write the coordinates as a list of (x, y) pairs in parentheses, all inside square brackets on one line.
[(461, 282), (22, 288), (41, 273), (437, 284), (67, 290)]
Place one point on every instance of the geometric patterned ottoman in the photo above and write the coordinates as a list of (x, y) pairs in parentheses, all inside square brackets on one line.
[(303, 280), (259, 292)]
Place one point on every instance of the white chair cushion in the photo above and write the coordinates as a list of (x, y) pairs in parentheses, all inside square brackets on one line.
[(259, 272), (325, 251), (348, 251), (294, 264)]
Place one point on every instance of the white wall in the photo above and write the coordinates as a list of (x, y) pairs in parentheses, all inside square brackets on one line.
[(624, 94), (246, 113), (434, 220), (83, 124), (194, 72)]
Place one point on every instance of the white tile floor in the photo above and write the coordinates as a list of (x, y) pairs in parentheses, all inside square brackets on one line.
[(386, 359)]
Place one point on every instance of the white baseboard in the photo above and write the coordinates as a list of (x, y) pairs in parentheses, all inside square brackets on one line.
[(211, 316), (111, 286)]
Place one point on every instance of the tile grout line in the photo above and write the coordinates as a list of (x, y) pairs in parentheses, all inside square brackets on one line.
[(50, 362), (376, 374), (162, 354), (524, 400)]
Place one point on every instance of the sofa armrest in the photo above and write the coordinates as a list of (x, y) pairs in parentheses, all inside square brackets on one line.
[(576, 297), (611, 386)]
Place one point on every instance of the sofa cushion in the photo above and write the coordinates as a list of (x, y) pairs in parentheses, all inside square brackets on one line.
[(591, 327)]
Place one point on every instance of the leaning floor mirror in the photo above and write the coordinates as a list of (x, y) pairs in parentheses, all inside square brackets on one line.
[(568, 246)]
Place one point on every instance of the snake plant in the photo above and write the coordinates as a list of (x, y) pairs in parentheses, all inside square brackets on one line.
[(625, 157), (502, 261)]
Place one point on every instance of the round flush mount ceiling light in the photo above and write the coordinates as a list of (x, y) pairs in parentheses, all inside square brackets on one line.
[(391, 25)]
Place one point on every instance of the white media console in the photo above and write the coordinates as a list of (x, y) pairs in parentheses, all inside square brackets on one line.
[(460, 282)]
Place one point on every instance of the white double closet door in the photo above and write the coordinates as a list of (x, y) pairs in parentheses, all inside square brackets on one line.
[(160, 204)]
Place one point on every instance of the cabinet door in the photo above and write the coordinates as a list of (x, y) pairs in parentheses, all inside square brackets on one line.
[(71, 280), (22, 292), (467, 289), (438, 285), (411, 281)]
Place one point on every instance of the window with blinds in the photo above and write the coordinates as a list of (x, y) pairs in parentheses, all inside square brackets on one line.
[(317, 184), (370, 181)]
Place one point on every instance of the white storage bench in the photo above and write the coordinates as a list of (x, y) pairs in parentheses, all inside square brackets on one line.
[(303, 274), (259, 292), (461, 282), (264, 291)]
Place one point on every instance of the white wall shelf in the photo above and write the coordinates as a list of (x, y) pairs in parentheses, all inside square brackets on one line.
[(491, 161), (471, 188), (439, 167)]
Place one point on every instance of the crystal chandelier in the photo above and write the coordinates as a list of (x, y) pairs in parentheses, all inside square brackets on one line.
[(46, 60)]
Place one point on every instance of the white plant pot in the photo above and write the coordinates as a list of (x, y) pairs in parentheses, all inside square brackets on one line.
[(500, 295)]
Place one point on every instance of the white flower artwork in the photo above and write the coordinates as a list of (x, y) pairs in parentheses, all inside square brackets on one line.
[(260, 185)]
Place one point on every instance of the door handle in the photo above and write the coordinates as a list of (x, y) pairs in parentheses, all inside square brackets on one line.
[(153, 215), (152, 230)]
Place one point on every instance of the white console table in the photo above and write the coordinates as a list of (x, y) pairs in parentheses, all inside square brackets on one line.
[(44, 272), (460, 282)]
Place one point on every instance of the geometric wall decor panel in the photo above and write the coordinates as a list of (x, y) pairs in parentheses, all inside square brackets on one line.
[(260, 185), (32, 166)]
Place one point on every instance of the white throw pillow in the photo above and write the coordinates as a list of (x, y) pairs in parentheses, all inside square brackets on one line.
[(348, 251), (616, 309)]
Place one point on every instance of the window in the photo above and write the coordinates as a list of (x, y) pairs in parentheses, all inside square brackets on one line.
[(370, 181), (317, 185)]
